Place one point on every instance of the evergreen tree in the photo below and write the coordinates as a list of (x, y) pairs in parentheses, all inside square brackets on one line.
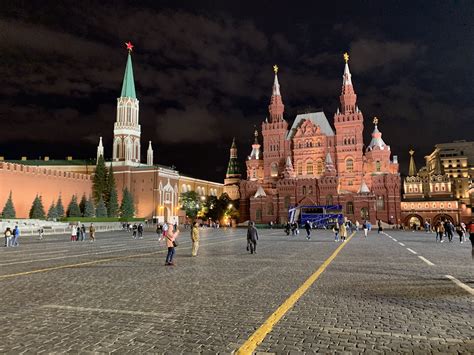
[(52, 212), (82, 204), (60, 208), (73, 208), (127, 208), (101, 210), (37, 209), (89, 209), (113, 207), (111, 199), (99, 182), (9, 208)]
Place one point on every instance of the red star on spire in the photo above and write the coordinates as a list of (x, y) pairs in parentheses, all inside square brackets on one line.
[(129, 46)]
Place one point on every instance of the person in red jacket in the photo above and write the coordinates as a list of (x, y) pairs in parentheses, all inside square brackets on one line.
[(470, 229)]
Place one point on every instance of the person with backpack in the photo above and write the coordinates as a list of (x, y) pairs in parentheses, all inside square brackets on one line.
[(140, 231), (8, 237), (171, 244), (16, 235)]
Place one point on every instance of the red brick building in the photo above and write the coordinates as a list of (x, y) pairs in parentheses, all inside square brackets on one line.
[(310, 163)]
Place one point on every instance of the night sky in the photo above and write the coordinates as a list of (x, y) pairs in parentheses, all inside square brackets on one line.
[(203, 73)]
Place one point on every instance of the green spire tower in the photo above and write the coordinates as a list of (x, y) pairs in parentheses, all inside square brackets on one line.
[(233, 169), (127, 130)]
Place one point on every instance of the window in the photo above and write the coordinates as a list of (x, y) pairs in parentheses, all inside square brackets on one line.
[(270, 209), (309, 168), (350, 208), (364, 213), (350, 183), (286, 202), (258, 215), (299, 168), (310, 190), (304, 190), (329, 200), (319, 167), (377, 166), (380, 203), (274, 169), (349, 165)]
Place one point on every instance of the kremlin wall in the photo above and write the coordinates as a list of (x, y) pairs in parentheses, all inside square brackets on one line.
[(25, 182)]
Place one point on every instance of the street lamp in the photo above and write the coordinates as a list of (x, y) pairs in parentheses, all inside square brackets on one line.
[(230, 206)]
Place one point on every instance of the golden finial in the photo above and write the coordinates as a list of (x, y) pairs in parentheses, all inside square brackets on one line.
[(275, 68), (346, 57), (411, 152), (375, 121)]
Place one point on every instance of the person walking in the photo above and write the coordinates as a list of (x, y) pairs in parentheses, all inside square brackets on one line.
[(252, 237), (442, 230), (171, 244), (450, 230), (470, 229), (307, 227), (343, 232), (16, 235), (335, 230), (41, 233), (365, 227), (379, 224), (73, 233), (195, 238), (140, 231), (83, 232), (8, 237), (92, 233), (357, 224)]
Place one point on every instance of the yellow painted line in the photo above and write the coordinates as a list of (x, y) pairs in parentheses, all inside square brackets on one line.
[(256, 338), (69, 266)]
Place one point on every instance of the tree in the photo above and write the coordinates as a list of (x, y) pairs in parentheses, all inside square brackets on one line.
[(211, 210), (99, 182), (112, 199), (60, 208), (73, 209), (127, 208), (37, 209), (52, 212), (113, 207), (190, 203), (9, 208), (89, 209), (101, 210), (82, 204)]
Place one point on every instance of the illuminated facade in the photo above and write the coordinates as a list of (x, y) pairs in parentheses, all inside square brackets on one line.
[(442, 189), (310, 163)]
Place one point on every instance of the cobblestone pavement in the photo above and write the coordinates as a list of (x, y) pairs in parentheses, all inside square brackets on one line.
[(116, 295)]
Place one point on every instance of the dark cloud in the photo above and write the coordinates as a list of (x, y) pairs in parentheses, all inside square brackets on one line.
[(204, 75)]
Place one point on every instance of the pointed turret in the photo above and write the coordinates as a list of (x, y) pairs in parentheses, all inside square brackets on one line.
[(233, 166), (276, 107), (128, 85), (364, 189), (377, 141), (412, 166), (329, 163), (255, 154), (289, 171), (348, 96), (149, 155), (100, 149), (127, 130)]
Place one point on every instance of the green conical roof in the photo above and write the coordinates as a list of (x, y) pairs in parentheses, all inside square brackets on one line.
[(128, 86)]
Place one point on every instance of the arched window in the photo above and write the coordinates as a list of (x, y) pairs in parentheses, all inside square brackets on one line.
[(329, 200), (274, 170), (345, 141), (270, 209), (350, 208), (364, 213), (377, 166), (309, 168), (304, 190), (310, 190), (318, 143), (353, 140), (349, 165), (380, 203), (319, 167), (299, 167)]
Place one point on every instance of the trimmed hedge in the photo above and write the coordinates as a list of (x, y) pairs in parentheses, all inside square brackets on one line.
[(102, 219)]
